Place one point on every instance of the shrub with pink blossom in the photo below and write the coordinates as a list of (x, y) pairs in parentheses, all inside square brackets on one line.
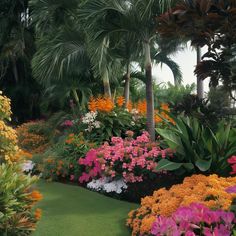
[(232, 162), (195, 219), (129, 159)]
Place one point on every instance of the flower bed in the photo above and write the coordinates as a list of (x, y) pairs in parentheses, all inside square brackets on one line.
[(207, 190), (126, 160)]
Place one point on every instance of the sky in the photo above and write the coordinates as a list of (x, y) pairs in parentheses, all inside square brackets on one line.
[(187, 62)]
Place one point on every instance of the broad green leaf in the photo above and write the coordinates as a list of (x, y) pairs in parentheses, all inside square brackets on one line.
[(165, 164), (203, 165)]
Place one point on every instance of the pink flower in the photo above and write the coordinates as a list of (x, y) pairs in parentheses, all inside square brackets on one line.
[(232, 161), (72, 177), (67, 123), (129, 133)]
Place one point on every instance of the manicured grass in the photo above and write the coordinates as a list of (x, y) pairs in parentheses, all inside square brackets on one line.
[(74, 211)]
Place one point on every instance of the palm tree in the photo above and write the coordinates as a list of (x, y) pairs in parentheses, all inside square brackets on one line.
[(134, 18), (200, 88)]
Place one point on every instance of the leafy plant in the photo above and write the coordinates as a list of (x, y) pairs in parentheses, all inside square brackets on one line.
[(16, 202), (61, 160), (198, 148)]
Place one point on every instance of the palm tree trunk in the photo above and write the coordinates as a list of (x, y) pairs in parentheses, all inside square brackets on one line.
[(106, 84), (15, 71), (149, 91), (200, 88), (127, 85)]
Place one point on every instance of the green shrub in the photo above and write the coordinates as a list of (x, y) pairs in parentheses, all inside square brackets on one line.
[(16, 202), (61, 160), (198, 148)]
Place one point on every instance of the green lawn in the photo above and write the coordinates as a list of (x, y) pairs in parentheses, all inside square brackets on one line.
[(74, 211)]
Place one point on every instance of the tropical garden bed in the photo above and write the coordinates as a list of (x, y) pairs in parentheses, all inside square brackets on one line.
[(121, 156)]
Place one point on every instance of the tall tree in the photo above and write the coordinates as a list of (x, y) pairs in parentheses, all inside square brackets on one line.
[(200, 88), (134, 18)]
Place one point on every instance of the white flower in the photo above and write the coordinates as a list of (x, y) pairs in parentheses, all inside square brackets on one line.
[(132, 123), (134, 111), (105, 184), (97, 124), (28, 166)]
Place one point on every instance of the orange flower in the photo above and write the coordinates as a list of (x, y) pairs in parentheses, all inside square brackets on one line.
[(158, 119), (92, 106), (105, 104), (130, 106), (36, 196), (165, 107), (71, 135), (37, 214), (142, 107), (120, 101)]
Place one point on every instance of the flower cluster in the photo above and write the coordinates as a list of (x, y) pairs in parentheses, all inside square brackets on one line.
[(206, 190), (232, 162), (8, 143), (32, 139), (90, 120), (67, 123), (160, 114), (107, 185), (195, 219), (102, 104), (5, 107), (8, 137), (129, 159)]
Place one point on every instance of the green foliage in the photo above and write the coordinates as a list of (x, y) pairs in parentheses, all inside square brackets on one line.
[(16, 217), (197, 148), (163, 93), (61, 160), (114, 123)]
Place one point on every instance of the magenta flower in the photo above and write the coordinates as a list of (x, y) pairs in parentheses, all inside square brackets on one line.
[(195, 219), (231, 189), (67, 123)]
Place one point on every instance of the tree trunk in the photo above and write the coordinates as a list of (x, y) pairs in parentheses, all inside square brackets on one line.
[(200, 88), (149, 92), (106, 84), (127, 85), (15, 71)]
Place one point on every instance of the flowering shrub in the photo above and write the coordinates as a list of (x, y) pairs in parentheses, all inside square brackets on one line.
[(16, 196), (232, 162), (32, 136), (195, 219), (17, 200), (206, 190), (8, 137), (107, 118), (61, 161), (5, 107), (127, 159)]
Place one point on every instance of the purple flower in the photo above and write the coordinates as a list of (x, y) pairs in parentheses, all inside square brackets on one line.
[(231, 189)]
